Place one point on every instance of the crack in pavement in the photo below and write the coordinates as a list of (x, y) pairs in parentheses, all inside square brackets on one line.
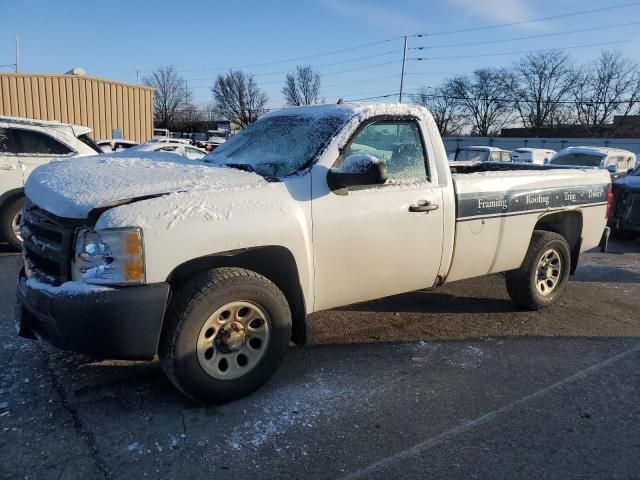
[(86, 435)]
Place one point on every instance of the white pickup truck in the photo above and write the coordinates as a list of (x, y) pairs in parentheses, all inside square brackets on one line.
[(215, 265)]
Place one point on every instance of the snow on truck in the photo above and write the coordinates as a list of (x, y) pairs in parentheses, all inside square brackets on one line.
[(215, 265)]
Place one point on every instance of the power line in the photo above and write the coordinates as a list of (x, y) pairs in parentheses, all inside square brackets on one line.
[(395, 94), (295, 59), (511, 100), (524, 22), (530, 37), (522, 52), (266, 74)]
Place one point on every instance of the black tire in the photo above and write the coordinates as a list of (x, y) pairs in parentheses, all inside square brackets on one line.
[(9, 212), (189, 309), (522, 283)]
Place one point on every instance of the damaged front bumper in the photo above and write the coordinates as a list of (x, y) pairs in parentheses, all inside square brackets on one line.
[(114, 323)]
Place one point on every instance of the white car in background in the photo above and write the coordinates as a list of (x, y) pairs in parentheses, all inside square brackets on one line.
[(482, 154), (24, 145), (161, 133), (536, 156), (115, 145), (617, 161), (183, 149)]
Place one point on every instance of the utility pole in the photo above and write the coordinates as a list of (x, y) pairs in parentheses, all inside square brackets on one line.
[(17, 54), (404, 59)]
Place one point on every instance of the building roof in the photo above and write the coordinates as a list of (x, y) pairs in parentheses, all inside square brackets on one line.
[(77, 129)]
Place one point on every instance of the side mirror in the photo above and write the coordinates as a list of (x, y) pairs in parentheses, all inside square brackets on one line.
[(357, 170), (612, 168)]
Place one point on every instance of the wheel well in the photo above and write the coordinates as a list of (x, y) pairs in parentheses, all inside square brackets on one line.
[(273, 262), (569, 225)]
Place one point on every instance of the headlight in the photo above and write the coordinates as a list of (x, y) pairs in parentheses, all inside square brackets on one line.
[(109, 257)]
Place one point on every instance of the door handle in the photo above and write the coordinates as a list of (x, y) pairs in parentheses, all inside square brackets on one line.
[(423, 206), (7, 167)]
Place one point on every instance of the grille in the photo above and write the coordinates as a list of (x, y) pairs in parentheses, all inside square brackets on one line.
[(47, 244), (634, 209)]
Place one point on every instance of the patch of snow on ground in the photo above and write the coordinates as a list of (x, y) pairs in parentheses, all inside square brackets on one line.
[(470, 356), (277, 412)]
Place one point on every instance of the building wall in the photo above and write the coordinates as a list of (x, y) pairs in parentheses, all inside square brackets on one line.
[(101, 105), (511, 143)]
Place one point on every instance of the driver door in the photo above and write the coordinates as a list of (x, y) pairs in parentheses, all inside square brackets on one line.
[(378, 240)]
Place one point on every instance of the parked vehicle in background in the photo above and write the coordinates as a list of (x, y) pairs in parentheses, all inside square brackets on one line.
[(625, 216), (115, 145), (24, 145), (181, 141), (179, 148), (215, 265), (536, 156), (482, 154), (161, 133), (617, 161)]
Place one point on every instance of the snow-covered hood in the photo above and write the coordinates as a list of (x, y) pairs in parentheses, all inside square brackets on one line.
[(73, 188), (629, 182)]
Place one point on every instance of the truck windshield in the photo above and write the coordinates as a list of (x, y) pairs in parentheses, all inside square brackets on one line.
[(471, 156), (278, 146), (577, 160)]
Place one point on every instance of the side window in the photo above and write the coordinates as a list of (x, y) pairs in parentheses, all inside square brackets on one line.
[(397, 144), (32, 142), (6, 142), (169, 148), (505, 156)]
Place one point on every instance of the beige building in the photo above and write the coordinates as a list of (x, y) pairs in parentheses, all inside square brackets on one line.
[(101, 105)]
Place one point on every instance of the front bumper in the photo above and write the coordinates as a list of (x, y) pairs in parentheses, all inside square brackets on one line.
[(120, 323)]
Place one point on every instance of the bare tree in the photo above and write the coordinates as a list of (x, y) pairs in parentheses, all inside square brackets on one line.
[(238, 98), (444, 106), (606, 87), (540, 85), (171, 97), (302, 87), (482, 98)]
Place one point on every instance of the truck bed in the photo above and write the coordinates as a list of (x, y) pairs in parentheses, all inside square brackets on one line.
[(496, 202)]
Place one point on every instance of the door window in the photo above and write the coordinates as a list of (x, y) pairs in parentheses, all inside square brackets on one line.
[(37, 143), (6, 143), (505, 157), (397, 144)]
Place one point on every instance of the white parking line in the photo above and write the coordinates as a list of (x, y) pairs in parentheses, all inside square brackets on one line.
[(487, 417)]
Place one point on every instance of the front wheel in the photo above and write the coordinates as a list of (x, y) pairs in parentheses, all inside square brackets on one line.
[(544, 272), (10, 222), (225, 334)]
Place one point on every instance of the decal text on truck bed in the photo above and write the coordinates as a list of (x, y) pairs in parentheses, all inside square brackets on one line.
[(472, 206)]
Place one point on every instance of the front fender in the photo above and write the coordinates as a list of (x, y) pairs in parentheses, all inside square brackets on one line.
[(185, 226)]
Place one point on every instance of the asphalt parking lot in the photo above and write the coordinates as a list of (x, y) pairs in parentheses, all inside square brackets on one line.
[(451, 383)]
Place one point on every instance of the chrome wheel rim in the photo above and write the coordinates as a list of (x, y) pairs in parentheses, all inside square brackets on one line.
[(15, 225), (233, 340), (549, 272)]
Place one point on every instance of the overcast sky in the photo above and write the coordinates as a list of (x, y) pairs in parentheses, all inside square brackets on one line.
[(202, 38)]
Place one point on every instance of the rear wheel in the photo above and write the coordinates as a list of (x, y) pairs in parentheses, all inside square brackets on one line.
[(10, 222), (544, 273), (226, 332)]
